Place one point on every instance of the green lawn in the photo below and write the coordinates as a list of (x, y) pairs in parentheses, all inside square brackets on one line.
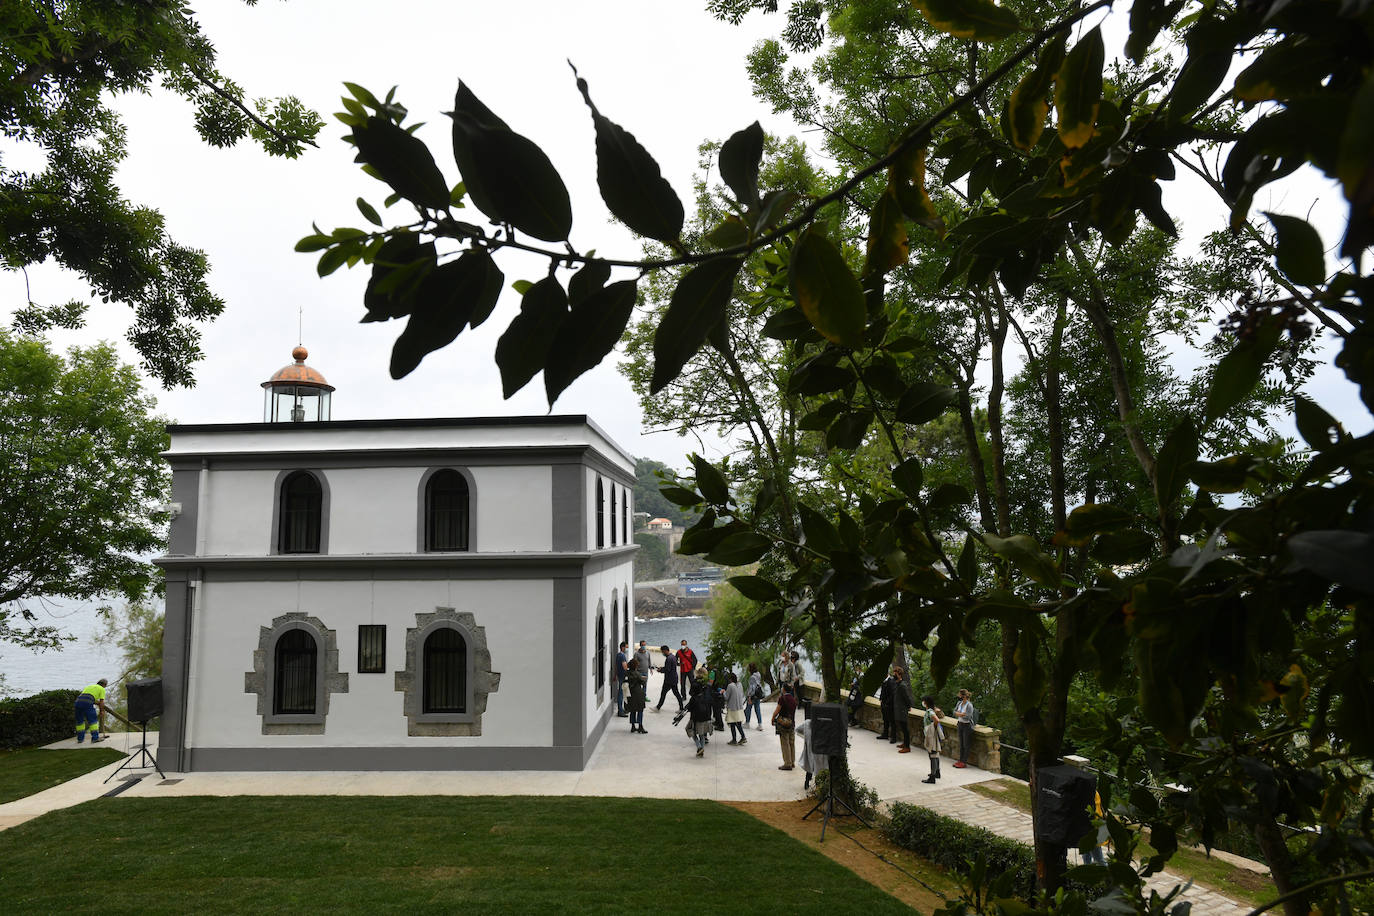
[(32, 769), (419, 854), (1239, 884)]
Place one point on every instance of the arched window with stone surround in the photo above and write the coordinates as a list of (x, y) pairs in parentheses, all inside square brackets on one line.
[(445, 670), (447, 514), (294, 673), (301, 510)]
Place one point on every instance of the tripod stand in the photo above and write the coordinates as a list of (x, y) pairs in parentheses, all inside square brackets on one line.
[(830, 801), (143, 755)]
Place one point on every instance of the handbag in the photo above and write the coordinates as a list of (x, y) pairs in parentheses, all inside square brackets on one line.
[(783, 723)]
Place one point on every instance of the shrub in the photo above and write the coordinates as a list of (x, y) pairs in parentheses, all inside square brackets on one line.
[(857, 795), (954, 845), (40, 719)]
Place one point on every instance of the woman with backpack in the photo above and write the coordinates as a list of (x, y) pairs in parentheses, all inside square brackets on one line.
[(753, 699), (635, 704), (699, 712), (933, 734)]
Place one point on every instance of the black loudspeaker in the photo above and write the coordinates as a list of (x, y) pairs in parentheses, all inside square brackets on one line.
[(1065, 797), (828, 728), (145, 699)]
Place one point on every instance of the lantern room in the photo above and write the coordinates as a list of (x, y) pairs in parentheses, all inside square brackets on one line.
[(296, 393)]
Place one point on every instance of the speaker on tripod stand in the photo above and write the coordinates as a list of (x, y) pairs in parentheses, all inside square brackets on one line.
[(145, 703), (829, 737)]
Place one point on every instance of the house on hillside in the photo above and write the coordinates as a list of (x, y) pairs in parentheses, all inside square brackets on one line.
[(659, 524), (392, 594)]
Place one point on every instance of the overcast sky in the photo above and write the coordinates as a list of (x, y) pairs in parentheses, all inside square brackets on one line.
[(667, 72)]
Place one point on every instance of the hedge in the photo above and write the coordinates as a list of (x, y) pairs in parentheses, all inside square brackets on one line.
[(955, 845), (40, 719)]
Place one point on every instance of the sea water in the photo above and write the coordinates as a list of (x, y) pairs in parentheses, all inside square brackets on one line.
[(82, 661)]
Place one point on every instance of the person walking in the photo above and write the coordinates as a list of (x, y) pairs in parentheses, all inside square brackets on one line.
[(753, 698), (686, 666), (734, 709), (901, 708), (622, 663), (699, 713), (670, 685), (635, 704), (646, 663), (933, 736), (90, 706), (784, 720), (968, 717), (885, 697)]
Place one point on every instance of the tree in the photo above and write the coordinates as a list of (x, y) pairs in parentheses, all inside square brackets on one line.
[(649, 477), (137, 633), (1213, 603), (58, 65), (82, 483)]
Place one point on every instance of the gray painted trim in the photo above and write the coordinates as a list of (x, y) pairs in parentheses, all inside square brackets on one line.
[(573, 419), (262, 680), (408, 566), (569, 677), (176, 670), (471, 456), (181, 536), (447, 757), (597, 462), (273, 545), (594, 738), (422, 503), (569, 487)]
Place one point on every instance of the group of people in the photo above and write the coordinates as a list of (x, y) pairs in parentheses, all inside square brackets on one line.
[(896, 701)]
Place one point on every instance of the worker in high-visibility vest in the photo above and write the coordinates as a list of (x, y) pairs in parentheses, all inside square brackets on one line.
[(90, 705)]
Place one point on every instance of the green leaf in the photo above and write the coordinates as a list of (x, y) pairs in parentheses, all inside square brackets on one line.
[(1028, 106), (774, 209), (877, 671), (1175, 459), (728, 233), (680, 496), (332, 260), (1078, 90), (947, 496), (442, 307), (848, 431), (887, 239), (523, 349), (826, 290), (788, 324), (740, 549), (981, 20), (906, 181), (739, 163), (821, 536), (368, 212), (1029, 682), (710, 481), (1024, 553), (631, 184), (592, 329), (1090, 520), (762, 628), (508, 177), (1120, 548), (1147, 18), (1238, 372), (968, 563), (755, 588), (1355, 171), (767, 495), (908, 477), (1301, 255), (1229, 475), (698, 304), (822, 416), (1318, 428), (403, 161), (314, 243), (924, 401)]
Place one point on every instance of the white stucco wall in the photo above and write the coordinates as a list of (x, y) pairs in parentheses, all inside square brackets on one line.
[(617, 581), (514, 509), (514, 613)]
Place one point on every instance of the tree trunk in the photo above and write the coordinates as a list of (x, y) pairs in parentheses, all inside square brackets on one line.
[(1054, 418), (997, 335), (1280, 864), (977, 468)]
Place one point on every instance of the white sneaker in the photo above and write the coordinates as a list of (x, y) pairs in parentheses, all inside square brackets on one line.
[(758, 728)]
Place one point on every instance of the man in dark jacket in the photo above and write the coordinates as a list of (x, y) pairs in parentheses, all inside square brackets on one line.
[(669, 680), (886, 694)]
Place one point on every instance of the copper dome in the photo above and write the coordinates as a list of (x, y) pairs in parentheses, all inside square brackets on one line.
[(298, 373)]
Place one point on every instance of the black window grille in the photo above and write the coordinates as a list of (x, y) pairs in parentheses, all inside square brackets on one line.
[(600, 514), (446, 511), (301, 499), (372, 648), (614, 514), (446, 672), (600, 651), (625, 518), (293, 691)]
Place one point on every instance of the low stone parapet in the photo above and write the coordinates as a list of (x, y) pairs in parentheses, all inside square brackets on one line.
[(986, 753)]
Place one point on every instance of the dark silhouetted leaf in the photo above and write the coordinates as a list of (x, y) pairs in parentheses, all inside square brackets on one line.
[(1088, 521), (523, 349), (403, 161), (947, 496), (1300, 252), (592, 277), (397, 271), (762, 628), (740, 549), (680, 496), (821, 535), (631, 184), (739, 163), (1318, 428), (968, 563), (774, 209), (877, 672), (887, 240), (789, 324), (755, 588), (1023, 553), (925, 401), (1078, 90), (593, 328), (1028, 106), (906, 180), (978, 19), (698, 304), (826, 290), (909, 477), (1175, 460), (730, 232), (1239, 371), (710, 481), (847, 432), (442, 307), (508, 177)]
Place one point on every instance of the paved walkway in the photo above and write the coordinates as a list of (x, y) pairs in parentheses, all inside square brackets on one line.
[(660, 764)]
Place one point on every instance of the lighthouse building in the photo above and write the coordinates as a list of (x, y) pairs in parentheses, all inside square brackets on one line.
[(392, 594)]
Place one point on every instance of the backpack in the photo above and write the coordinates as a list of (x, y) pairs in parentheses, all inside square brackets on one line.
[(972, 714)]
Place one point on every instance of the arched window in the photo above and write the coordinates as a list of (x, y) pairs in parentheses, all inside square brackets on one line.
[(301, 503), (445, 672), (600, 651), (293, 685), (613, 515), (625, 518), (446, 511), (600, 514)]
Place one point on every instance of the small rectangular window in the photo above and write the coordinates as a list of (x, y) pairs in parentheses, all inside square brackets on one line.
[(372, 649)]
